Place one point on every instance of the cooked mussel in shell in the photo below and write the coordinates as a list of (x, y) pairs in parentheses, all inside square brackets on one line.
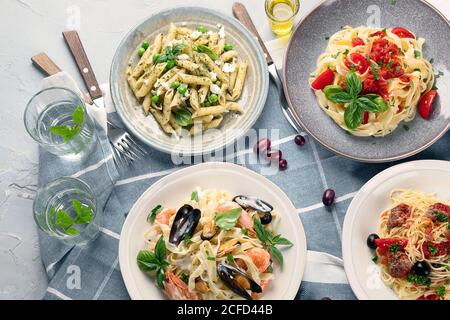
[(209, 230), (184, 224), (237, 280), (228, 247), (263, 208)]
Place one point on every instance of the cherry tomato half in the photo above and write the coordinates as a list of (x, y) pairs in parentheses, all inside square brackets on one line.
[(358, 42), (378, 34), (358, 62), (426, 103), (430, 297), (365, 118), (323, 80), (403, 33), (385, 244)]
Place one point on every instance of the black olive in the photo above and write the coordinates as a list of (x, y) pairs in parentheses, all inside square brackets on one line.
[(328, 197), (421, 268), (371, 241), (266, 218)]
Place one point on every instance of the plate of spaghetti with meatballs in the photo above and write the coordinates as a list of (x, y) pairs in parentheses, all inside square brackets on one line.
[(396, 238)]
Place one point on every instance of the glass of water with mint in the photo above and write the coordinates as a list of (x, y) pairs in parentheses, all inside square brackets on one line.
[(67, 210), (57, 119)]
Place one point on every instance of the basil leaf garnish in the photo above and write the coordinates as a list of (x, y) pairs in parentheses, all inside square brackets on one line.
[(336, 94), (357, 104), (353, 116), (367, 104), (228, 219), (354, 85)]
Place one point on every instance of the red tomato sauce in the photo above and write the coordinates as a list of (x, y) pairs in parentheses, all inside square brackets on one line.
[(383, 51), (372, 85)]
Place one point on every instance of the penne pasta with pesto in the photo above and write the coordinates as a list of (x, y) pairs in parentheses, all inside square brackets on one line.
[(188, 78)]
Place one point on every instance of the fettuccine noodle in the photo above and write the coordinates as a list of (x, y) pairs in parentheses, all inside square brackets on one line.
[(403, 92)]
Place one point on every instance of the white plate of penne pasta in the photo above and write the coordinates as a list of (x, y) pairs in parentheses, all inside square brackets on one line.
[(189, 80)]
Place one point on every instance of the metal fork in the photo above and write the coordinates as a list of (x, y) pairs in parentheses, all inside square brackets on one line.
[(126, 149)]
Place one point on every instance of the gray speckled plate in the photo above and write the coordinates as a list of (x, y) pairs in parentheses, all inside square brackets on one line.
[(308, 42), (234, 126)]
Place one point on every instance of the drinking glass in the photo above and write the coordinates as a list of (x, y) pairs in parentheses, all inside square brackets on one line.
[(67, 210), (54, 108), (281, 15)]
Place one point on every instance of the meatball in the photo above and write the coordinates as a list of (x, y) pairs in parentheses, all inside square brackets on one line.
[(398, 216), (399, 264)]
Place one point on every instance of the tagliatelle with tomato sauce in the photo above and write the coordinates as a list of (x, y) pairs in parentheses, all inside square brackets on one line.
[(389, 63), (414, 246)]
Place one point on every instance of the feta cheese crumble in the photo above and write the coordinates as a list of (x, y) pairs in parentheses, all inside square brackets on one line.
[(229, 67), (222, 33), (195, 35), (213, 76), (183, 57), (214, 88)]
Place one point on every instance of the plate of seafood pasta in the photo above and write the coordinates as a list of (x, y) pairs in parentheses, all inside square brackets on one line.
[(396, 235), (214, 231), (371, 82), (186, 74)]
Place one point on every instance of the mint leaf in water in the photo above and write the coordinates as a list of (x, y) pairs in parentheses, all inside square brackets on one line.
[(68, 132), (84, 214), (78, 115), (63, 220), (72, 232)]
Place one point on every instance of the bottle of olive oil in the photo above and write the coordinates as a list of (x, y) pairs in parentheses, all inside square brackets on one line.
[(281, 14)]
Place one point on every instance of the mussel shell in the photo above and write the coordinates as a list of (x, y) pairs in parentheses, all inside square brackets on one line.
[(255, 203), (228, 274), (185, 223), (266, 218), (209, 230), (207, 236)]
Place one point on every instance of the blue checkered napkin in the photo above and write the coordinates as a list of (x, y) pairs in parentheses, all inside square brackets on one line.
[(312, 169)]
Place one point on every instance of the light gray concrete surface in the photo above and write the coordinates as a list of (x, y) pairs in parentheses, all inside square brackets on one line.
[(28, 27)]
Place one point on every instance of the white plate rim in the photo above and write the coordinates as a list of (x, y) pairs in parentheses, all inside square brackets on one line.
[(438, 165), (294, 285)]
